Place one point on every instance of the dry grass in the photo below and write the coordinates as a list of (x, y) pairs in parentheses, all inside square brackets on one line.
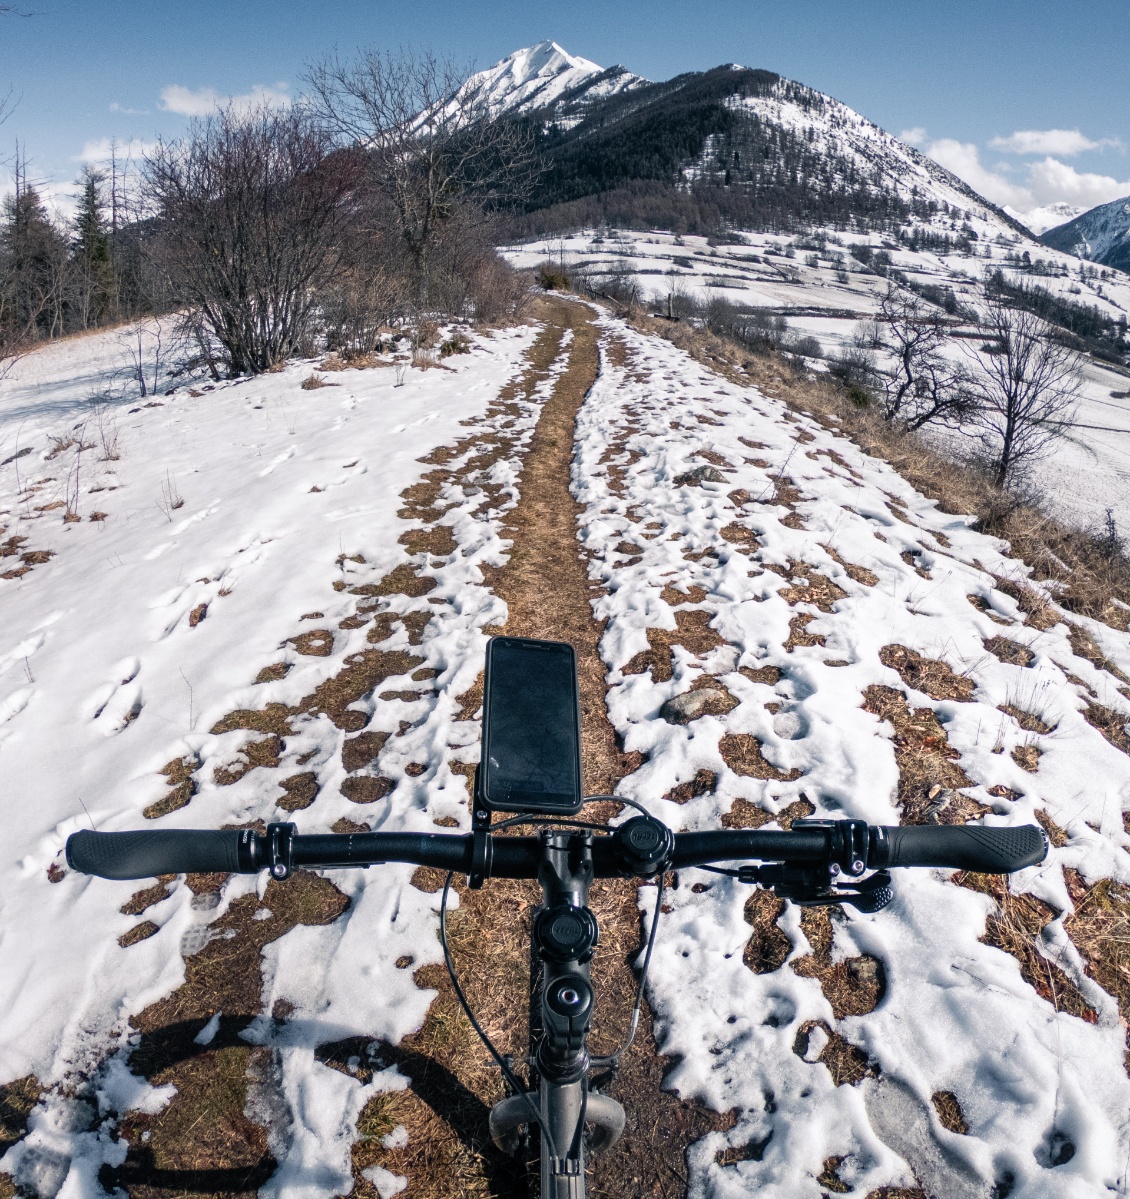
[(204, 1141), (742, 753), (299, 791), (262, 751), (929, 675), (1015, 927), (1010, 652), (692, 632), (1100, 929), (949, 1112), (17, 1098), (926, 761), (853, 986), (182, 786), (847, 1063), (1113, 725), (313, 382)]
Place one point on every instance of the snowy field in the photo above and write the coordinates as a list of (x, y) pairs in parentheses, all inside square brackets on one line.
[(828, 295), (254, 524)]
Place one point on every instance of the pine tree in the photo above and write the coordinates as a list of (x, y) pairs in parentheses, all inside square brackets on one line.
[(92, 255), (35, 266)]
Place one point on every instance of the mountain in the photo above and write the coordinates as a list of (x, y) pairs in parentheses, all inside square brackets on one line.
[(547, 78), (728, 146), (1101, 235), (1040, 220)]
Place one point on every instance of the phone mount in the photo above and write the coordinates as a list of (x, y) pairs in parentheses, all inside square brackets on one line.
[(482, 845)]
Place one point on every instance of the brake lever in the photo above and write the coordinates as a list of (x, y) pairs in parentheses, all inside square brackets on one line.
[(810, 886)]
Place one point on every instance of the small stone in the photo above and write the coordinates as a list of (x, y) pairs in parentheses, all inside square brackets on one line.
[(864, 969), (700, 475), (682, 709)]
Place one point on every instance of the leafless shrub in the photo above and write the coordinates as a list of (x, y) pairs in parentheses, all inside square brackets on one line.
[(924, 385), (434, 150), (250, 208), (171, 498), (1026, 390)]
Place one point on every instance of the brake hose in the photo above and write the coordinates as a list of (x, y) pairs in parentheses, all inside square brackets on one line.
[(613, 1059), (507, 1073)]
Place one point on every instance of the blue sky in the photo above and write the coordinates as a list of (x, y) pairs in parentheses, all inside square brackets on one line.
[(962, 78)]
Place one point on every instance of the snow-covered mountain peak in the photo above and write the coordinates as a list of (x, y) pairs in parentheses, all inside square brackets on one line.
[(540, 76), (1101, 235)]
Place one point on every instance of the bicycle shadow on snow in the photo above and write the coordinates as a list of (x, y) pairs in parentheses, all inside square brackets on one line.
[(336, 1047)]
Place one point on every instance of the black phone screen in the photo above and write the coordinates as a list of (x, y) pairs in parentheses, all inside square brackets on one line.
[(531, 747)]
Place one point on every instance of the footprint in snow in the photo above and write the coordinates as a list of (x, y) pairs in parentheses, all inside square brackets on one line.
[(116, 706), (278, 460)]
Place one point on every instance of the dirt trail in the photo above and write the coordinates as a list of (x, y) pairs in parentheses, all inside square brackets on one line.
[(547, 591)]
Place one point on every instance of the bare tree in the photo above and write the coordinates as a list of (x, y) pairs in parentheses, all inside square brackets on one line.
[(432, 144), (1026, 389), (250, 207), (924, 384)]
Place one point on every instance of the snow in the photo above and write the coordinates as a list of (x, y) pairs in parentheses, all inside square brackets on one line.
[(104, 678), (1040, 220), (539, 77), (1098, 233), (957, 1015), (1083, 476)]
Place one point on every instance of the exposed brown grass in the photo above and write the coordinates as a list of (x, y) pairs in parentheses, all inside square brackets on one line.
[(742, 753), (949, 1112), (1015, 927), (847, 1063), (1100, 929), (853, 986), (182, 786), (930, 675), (17, 1098), (692, 632), (1010, 652), (1113, 725), (204, 1141), (927, 763)]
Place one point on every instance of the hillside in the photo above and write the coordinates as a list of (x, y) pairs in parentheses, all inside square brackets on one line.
[(1100, 235), (729, 145), (274, 604)]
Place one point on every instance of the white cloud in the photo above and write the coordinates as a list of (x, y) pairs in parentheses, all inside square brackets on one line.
[(1048, 182), (915, 136), (131, 112), (204, 101), (1052, 181), (1066, 142), (964, 159), (105, 148)]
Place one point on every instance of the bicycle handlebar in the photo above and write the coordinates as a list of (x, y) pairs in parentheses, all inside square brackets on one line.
[(135, 855)]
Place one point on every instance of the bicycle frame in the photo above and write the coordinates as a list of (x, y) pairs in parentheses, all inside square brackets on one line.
[(564, 936)]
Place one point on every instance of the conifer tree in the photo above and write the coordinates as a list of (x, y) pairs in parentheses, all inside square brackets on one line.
[(92, 252)]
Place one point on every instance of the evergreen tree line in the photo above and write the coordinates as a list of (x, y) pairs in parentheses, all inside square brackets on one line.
[(62, 277)]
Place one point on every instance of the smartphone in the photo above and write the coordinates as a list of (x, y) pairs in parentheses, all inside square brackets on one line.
[(531, 746)]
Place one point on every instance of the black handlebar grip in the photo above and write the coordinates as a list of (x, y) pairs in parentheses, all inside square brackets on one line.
[(159, 851), (960, 847)]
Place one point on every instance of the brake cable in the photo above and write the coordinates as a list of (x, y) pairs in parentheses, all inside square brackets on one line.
[(507, 1073), (612, 1060)]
